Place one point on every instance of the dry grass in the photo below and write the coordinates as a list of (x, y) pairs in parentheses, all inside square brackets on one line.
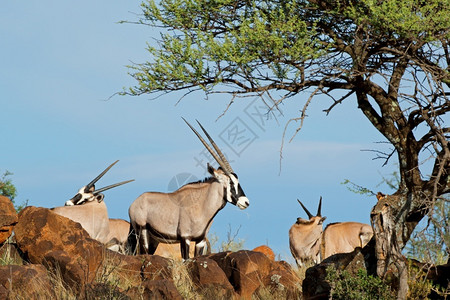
[(8, 255)]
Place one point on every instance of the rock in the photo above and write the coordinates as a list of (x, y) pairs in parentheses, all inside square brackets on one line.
[(156, 267), (209, 278), (266, 251), (57, 242), (245, 270), (160, 290), (8, 218), (284, 280), (25, 282)]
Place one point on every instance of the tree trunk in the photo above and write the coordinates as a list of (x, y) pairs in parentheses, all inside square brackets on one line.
[(393, 219)]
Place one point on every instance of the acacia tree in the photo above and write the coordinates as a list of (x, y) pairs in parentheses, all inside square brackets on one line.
[(390, 57)]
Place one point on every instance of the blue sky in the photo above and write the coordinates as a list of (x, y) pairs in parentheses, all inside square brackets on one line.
[(61, 62)]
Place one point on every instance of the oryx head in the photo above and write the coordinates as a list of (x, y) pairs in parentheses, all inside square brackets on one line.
[(313, 220), (225, 175), (88, 192)]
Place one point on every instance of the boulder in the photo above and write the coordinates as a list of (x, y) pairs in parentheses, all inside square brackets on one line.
[(249, 271), (58, 243), (209, 278), (155, 267), (8, 218), (25, 282), (266, 251), (156, 290), (284, 280)]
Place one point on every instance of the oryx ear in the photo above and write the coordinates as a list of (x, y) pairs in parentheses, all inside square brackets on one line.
[(99, 197), (211, 170), (218, 174), (304, 221)]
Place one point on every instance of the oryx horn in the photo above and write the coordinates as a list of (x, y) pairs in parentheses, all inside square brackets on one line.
[(305, 209), (208, 147), (320, 207), (222, 157), (91, 184), (110, 186)]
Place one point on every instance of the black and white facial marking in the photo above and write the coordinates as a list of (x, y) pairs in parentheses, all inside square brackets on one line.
[(233, 190), (84, 195)]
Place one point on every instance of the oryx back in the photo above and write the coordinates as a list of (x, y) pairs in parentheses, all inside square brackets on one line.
[(344, 237), (93, 217)]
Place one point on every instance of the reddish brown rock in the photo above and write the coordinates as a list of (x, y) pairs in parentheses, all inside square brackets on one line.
[(282, 279), (155, 267), (266, 251), (245, 270), (250, 271), (25, 282), (8, 218), (209, 278), (158, 290), (55, 241)]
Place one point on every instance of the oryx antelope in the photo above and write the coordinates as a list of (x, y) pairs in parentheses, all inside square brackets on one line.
[(118, 234), (309, 242), (186, 214), (88, 208), (305, 237)]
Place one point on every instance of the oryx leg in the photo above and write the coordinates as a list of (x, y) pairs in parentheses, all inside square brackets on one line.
[(147, 243), (184, 247), (200, 248)]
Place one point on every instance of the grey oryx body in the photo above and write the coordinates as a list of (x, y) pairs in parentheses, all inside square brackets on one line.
[(309, 242), (186, 214), (118, 234), (88, 208)]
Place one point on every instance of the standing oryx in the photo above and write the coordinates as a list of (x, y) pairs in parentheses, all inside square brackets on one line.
[(186, 214), (309, 242), (88, 208), (305, 237)]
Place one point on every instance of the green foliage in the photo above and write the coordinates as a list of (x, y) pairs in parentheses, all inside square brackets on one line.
[(431, 238), (359, 286), (247, 43), (7, 189), (419, 286), (357, 189)]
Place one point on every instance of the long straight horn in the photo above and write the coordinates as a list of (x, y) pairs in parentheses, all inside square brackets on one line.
[(91, 184), (208, 147), (320, 207), (111, 186), (305, 209), (222, 157)]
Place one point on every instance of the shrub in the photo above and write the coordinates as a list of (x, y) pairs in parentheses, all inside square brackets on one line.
[(359, 286)]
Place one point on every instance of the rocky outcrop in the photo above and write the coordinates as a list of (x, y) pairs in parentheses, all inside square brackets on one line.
[(50, 241), (248, 271), (25, 282), (58, 243), (8, 218), (207, 276)]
